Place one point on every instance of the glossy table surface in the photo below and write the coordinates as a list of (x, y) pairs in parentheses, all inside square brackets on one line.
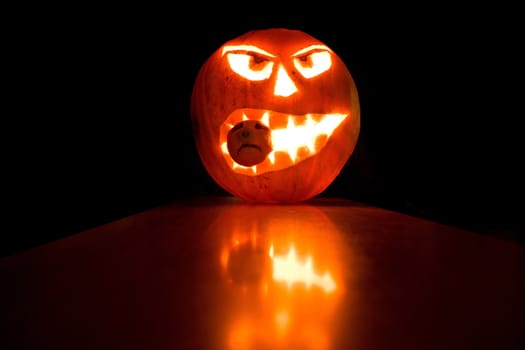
[(216, 273)]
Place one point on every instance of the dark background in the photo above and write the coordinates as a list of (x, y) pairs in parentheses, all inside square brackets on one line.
[(101, 125)]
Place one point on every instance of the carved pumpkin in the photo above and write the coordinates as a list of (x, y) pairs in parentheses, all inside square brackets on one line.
[(275, 116)]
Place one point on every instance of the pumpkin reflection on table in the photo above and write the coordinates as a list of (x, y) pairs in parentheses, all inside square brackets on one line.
[(281, 277), (275, 115)]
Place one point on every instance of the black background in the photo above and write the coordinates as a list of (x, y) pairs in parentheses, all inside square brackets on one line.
[(101, 125)]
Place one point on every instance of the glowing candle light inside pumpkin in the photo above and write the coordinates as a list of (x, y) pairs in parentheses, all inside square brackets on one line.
[(284, 82), (289, 269), (294, 137), (256, 64)]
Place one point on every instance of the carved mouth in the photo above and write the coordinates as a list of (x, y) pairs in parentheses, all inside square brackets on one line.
[(294, 138), (248, 145)]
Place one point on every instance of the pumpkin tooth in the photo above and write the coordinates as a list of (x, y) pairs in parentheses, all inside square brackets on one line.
[(265, 118), (294, 138), (271, 157)]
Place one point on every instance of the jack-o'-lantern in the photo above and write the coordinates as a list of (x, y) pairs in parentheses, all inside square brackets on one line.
[(275, 115)]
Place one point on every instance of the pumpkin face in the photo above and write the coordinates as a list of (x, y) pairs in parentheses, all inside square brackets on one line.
[(275, 116)]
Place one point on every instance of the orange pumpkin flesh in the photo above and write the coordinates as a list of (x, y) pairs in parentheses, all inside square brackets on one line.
[(275, 116)]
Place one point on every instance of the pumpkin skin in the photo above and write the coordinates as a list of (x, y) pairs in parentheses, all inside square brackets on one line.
[(268, 77)]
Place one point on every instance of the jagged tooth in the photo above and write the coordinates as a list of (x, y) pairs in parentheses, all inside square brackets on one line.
[(291, 122), (265, 118), (293, 156), (311, 146), (271, 157), (295, 140)]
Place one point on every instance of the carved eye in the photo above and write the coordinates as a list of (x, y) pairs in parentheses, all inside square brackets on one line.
[(313, 63), (250, 65)]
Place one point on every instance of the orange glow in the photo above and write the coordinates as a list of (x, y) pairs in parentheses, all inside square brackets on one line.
[(282, 282), (313, 60), (290, 269), (308, 97), (294, 138), (247, 49), (241, 335), (244, 65), (282, 320), (256, 64), (249, 61), (284, 85)]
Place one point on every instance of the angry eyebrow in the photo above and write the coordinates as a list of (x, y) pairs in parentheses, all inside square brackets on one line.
[(245, 48), (312, 48)]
